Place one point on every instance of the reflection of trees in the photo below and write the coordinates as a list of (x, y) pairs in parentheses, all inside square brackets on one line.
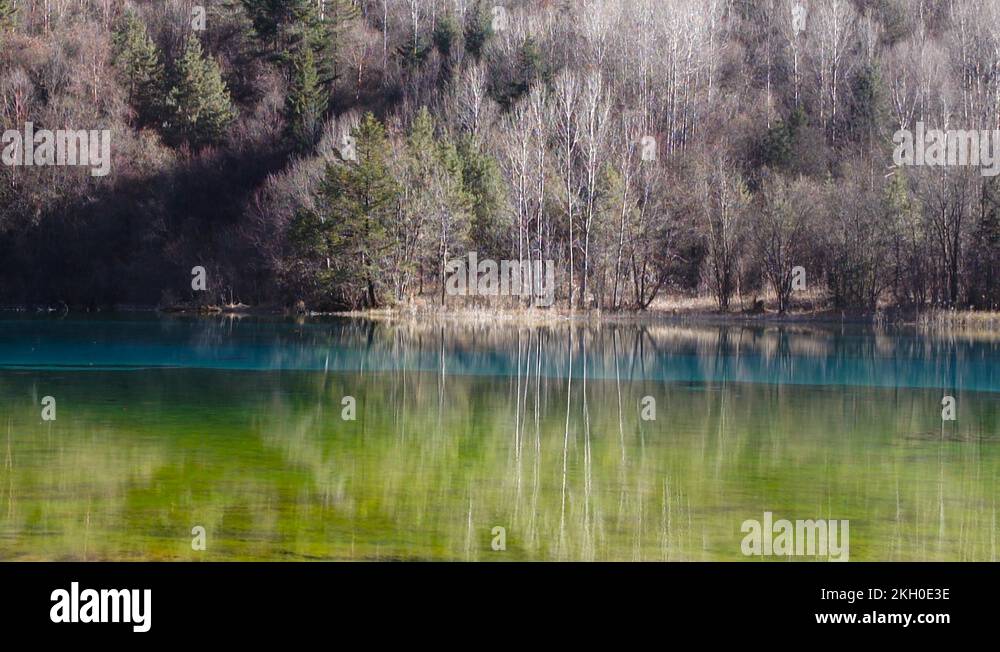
[(533, 429), (801, 354), (603, 484)]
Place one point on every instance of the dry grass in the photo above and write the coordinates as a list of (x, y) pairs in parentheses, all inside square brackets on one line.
[(681, 308), (969, 324), (962, 318), (806, 308), (428, 310)]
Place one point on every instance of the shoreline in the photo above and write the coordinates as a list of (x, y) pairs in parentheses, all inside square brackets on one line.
[(668, 312)]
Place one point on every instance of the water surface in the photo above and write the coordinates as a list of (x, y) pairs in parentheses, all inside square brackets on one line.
[(235, 425)]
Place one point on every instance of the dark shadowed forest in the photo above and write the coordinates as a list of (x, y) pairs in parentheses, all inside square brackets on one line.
[(339, 153)]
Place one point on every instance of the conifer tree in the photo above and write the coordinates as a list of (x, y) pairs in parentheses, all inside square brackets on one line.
[(453, 206), (446, 35), (306, 102), (421, 170), (478, 29), (529, 68), (413, 52), (281, 25), (484, 184), (199, 105), (268, 16), (345, 241), (138, 57), (420, 147), (333, 26)]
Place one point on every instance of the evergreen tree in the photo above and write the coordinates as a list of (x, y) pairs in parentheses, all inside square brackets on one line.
[(778, 146), (414, 52), (453, 206), (415, 244), (271, 19), (866, 111), (485, 186), (199, 105), (445, 36), (332, 28), (306, 102), (264, 16), (529, 68), (420, 147), (421, 173), (436, 209), (138, 57), (478, 30), (285, 26), (345, 243)]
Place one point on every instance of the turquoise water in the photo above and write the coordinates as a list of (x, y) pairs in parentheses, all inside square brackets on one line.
[(833, 356), (236, 425)]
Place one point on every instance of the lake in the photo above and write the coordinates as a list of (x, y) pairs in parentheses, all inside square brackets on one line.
[(179, 438)]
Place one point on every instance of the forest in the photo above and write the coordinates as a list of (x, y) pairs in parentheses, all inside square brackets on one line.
[(336, 154)]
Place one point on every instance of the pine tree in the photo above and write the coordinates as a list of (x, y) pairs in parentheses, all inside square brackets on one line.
[(199, 105), (346, 240), (333, 26), (282, 25), (452, 207), (484, 184), (445, 36), (530, 68), (414, 51), (264, 16), (420, 208), (478, 30), (138, 57), (420, 147), (307, 100), (268, 17)]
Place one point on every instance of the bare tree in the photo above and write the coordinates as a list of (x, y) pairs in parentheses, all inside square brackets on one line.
[(725, 202)]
